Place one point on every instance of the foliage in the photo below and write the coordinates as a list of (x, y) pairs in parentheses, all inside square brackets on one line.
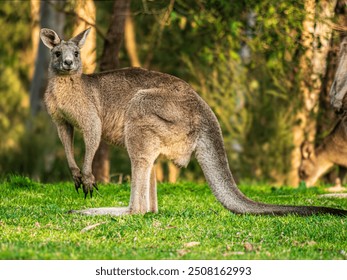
[(35, 224), (14, 78)]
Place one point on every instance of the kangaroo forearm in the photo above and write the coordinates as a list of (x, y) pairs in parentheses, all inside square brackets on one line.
[(92, 137), (66, 132)]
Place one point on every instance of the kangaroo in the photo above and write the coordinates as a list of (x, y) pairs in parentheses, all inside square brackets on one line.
[(338, 88), (150, 113), (333, 150)]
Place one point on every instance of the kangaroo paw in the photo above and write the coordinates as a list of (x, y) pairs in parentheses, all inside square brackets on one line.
[(113, 211), (77, 178), (88, 182)]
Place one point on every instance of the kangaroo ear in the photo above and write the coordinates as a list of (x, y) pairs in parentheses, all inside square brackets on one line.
[(307, 150), (49, 38), (80, 39)]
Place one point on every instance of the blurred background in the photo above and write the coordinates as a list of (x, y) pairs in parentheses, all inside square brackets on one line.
[(265, 67)]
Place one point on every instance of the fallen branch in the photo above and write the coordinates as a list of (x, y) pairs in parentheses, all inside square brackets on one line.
[(88, 228)]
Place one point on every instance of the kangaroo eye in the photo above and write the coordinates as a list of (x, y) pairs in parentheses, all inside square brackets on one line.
[(76, 54), (57, 54)]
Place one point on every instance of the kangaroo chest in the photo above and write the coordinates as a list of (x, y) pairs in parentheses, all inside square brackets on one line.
[(65, 101)]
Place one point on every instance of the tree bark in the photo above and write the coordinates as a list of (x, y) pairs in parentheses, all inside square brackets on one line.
[(327, 116), (49, 18), (108, 61), (315, 40)]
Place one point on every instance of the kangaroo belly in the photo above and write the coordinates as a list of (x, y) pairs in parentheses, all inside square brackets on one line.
[(113, 128)]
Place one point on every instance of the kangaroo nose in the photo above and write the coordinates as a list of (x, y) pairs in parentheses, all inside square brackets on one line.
[(302, 174), (68, 62)]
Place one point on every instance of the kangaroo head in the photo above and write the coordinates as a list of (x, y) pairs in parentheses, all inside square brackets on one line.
[(308, 170), (339, 87), (65, 55)]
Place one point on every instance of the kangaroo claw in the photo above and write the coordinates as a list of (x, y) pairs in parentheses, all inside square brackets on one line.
[(77, 186), (87, 183), (77, 178), (89, 189)]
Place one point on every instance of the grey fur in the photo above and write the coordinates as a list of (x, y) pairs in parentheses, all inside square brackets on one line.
[(150, 113)]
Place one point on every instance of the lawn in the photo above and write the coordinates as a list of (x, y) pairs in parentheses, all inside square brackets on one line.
[(191, 224)]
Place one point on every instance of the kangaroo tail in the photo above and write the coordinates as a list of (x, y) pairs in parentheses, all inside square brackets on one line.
[(211, 155)]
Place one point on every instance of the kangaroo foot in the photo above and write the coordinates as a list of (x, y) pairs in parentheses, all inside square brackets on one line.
[(113, 211), (88, 183)]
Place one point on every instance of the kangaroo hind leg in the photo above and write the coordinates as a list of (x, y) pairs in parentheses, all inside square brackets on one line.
[(143, 196)]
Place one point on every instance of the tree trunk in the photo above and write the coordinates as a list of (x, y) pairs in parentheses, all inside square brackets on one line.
[(315, 40), (114, 37), (49, 18), (35, 32), (109, 60), (327, 116), (85, 10)]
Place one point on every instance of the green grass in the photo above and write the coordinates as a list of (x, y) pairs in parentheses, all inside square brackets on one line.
[(34, 224)]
